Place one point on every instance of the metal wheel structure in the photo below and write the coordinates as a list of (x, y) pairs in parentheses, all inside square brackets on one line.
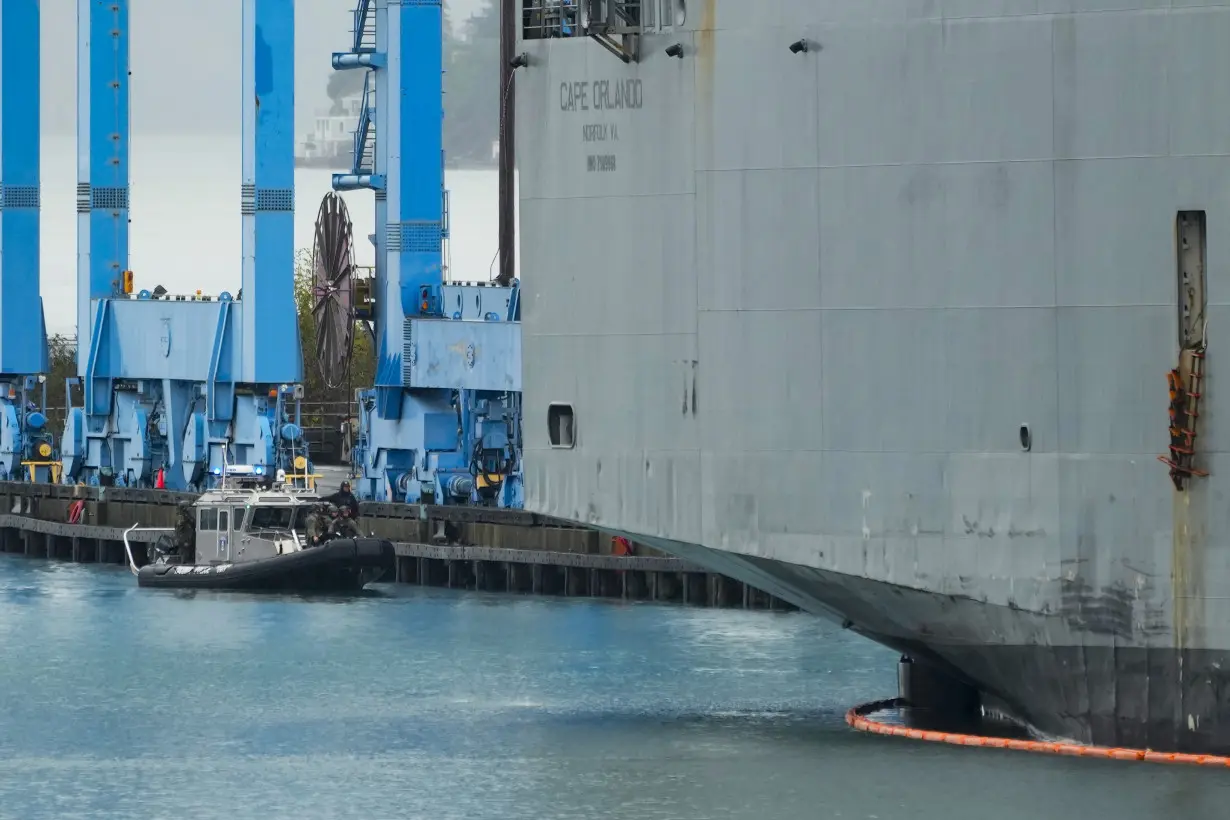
[(332, 290)]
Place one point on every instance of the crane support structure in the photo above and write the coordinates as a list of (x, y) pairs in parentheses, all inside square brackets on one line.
[(271, 352), (177, 386), (27, 449), (442, 423)]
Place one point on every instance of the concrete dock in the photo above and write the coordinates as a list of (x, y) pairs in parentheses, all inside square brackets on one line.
[(458, 547)]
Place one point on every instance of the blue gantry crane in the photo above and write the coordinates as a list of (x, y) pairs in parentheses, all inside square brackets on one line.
[(27, 448), (442, 424), (177, 386)]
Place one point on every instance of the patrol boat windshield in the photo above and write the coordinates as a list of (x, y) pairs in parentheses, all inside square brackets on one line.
[(276, 519)]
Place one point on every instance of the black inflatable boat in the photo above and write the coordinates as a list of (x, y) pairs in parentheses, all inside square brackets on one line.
[(341, 565)]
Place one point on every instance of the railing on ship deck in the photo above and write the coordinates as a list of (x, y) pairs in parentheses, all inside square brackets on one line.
[(543, 19)]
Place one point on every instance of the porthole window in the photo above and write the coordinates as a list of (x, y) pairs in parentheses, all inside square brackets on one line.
[(561, 425), (681, 12)]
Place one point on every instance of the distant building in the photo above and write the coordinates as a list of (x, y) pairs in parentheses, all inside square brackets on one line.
[(331, 142)]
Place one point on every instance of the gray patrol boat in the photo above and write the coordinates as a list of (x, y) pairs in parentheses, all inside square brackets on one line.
[(251, 535), (904, 311)]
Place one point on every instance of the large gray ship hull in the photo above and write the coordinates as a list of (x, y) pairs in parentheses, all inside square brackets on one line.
[(1094, 692), (882, 324)]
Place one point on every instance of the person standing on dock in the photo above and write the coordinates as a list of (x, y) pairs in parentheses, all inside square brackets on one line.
[(345, 498)]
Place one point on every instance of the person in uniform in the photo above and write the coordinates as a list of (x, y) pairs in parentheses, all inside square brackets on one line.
[(345, 498), (316, 525), (330, 521), (185, 533), (314, 528), (345, 526)]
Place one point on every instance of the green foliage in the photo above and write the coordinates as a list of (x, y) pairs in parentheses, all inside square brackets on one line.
[(472, 91), (363, 358), (471, 86), (61, 365)]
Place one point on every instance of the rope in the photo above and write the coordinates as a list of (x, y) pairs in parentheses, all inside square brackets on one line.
[(857, 719)]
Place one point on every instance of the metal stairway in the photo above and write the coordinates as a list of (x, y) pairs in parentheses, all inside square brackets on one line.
[(364, 156), (362, 55), (364, 30)]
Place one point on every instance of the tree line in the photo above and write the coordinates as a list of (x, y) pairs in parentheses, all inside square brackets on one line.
[(471, 85)]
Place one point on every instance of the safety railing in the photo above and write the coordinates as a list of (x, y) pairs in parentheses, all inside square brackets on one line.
[(543, 19), (325, 428), (308, 479), (364, 150), (53, 466), (364, 28), (444, 224), (615, 24)]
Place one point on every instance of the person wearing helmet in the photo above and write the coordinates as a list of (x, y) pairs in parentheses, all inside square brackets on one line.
[(345, 498), (345, 527), (315, 525), (328, 522)]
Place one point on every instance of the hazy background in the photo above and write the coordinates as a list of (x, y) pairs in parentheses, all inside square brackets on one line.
[(185, 62), (185, 231)]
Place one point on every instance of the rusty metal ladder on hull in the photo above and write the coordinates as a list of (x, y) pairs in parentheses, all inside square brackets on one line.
[(1185, 396), (1187, 380)]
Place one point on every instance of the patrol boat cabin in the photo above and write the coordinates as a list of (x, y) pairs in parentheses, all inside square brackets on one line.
[(251, 534), (251, 516)]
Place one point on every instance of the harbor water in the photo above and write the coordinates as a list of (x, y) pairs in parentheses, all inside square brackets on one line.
[(434, 704)]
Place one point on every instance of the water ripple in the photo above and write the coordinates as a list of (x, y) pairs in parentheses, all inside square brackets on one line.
[(435, 704)]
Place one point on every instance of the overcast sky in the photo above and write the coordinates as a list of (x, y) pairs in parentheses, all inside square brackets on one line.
[(185, 62)]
